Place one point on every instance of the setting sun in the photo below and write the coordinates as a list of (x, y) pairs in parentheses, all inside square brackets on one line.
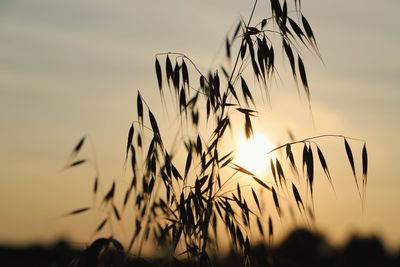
[(252, 153)]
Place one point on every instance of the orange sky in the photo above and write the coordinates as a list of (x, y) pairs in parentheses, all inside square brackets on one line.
[(70, 68)]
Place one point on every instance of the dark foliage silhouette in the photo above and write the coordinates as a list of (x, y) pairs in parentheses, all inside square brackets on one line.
[(182, 206), (300, 248)]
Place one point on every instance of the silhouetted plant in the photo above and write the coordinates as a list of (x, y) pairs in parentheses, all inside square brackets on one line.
[(181, 205)]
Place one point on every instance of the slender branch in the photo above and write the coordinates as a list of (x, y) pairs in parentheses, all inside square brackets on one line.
[(186, 57), (312, 138)]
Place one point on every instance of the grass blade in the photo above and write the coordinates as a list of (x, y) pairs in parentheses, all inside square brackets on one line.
[(309, 32), (182, 101), (248, 127), (188, 163), (365, 169), (365, 163), (273, 171), (276, 201), (154, 125), (310, 169), (256, 199), (76, 163), (185, 73), (246, 92), (116, 213), (228, 48), (78, 146), (95, 185), (260, 227), (129, 142), (110, 193), (303, 77), (243, 170), (232, 90), (101, 225), (168, 69), (159, 75), (270, 230), (290, 56), (176, 76), (78, 211), (297, 197), (262, 183), (324, 165), (351, 161), (305, 149), (299, 32), (139, 106)]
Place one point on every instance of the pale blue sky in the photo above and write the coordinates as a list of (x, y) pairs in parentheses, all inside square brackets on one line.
[(68, 68)]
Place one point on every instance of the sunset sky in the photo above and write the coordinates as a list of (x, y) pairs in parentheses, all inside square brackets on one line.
[(70, 68)]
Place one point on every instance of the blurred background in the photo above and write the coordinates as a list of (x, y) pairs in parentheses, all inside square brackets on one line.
[(70, 68)]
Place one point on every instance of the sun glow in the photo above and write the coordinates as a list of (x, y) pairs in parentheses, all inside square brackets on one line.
[(252, 153)]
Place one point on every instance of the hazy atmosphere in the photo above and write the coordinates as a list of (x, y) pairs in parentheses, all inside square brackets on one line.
[(73, 68)]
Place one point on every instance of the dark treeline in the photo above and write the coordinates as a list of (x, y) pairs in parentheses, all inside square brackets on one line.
[(300, 248)]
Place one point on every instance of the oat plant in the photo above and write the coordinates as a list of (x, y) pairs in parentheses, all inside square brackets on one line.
[(187, 205)]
